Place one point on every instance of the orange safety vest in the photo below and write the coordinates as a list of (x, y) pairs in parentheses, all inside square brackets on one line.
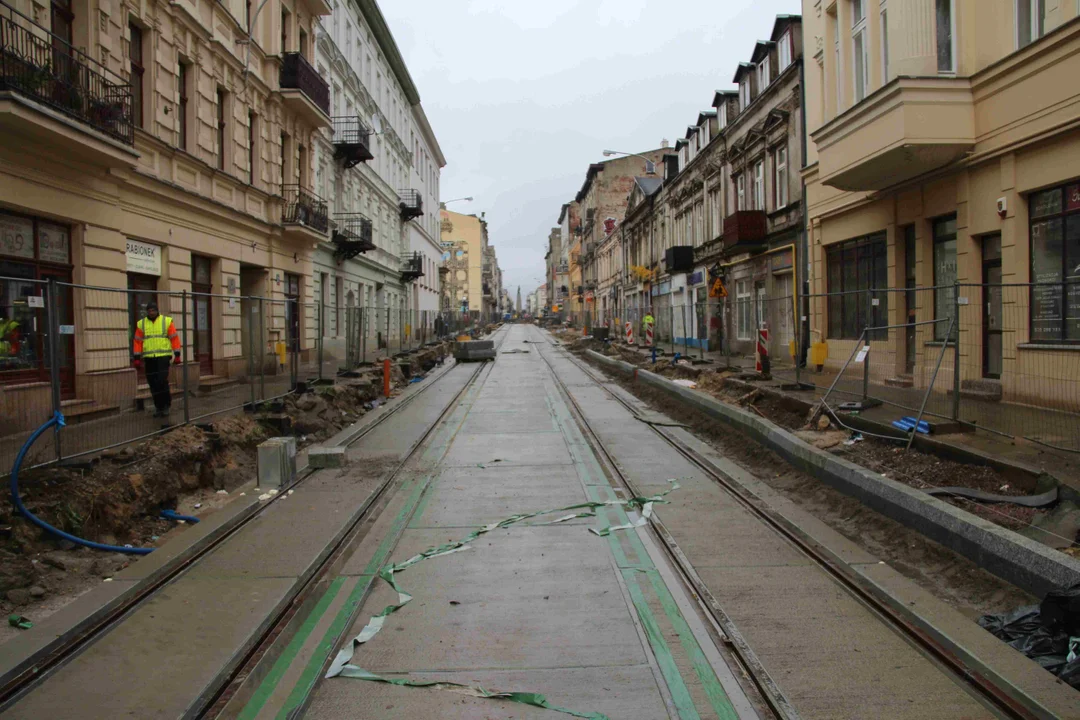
[(155, 338)]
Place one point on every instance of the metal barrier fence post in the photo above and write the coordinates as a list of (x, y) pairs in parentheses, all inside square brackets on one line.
[(956, 351), (262, 350), (387, 336), (252, 353), (320, 309), (183, 354), (53, 316), (867, 335), (364, 319), (685, 332)]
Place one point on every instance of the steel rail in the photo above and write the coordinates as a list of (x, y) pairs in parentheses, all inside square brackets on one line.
[(983, 687)]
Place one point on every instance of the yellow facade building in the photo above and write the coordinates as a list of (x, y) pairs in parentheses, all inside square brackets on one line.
[(942, 172), (152, 147), (464, 237)]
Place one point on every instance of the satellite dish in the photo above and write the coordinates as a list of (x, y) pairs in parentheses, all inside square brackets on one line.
[(376, 123)]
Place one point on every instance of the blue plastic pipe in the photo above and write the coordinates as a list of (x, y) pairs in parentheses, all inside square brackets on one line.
[(56, 419), (173, 515)]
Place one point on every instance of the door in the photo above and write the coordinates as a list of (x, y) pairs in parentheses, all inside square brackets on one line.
[(202, 336), (292, 312), (992, 340), (65, 320), (143, 289), (700, 307)]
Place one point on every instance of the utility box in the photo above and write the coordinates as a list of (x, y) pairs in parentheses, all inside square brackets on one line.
[(276, 461), (474, 350)]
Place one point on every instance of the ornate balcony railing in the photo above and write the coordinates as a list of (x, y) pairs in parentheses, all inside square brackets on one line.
[(352, 140), (744, 228), (352, 235), (411, 203), (412, 267), (297, 74), (45, 68), (303, 207)]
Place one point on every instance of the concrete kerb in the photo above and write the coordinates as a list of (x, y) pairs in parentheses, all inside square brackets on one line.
[(1021, 561), (22, 653)]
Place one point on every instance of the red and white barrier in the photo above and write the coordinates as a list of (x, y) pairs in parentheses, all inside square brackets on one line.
[(648, 335), (761, 360), (629, 333)]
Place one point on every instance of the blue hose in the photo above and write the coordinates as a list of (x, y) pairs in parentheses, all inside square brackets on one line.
[(173, 515), (56, 419)]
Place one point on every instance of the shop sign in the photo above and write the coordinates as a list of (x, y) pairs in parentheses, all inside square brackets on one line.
[(697, 278), (1072, 197), (782, 260), (54, 243), (143, 257), (16, 236)]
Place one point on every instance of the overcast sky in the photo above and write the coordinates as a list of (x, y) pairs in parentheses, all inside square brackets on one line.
[(524, 95)]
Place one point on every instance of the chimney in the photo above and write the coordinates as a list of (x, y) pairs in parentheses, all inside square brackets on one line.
[(664, 144)]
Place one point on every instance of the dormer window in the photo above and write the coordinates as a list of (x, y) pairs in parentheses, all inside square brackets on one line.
[(763, 75), (783, 52), (744, 93), (721, 115)]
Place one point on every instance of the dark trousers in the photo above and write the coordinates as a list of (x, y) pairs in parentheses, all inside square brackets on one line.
[(157, 377)]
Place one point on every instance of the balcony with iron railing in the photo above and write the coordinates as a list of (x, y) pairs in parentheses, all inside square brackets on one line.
[(55, 96), (304, 91), (411, 204), (352, 235), (303, 214), (412, 267), (352, 140)]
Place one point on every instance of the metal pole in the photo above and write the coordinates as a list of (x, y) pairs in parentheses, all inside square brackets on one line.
[(321, 308), (252, 354), (866, 333), (929, 389), (363, 334), (52, 312), (956, 351), (183, 354), (388, 328), (685, 333), (262, 350)]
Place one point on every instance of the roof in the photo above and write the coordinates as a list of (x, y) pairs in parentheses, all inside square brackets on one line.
[(721, 95), (649, 185), (374, 17), (691, 131), (705, 115), (783, 22), (594, 170), (761, 50), (741, 70), (428, 133), (680, 143)]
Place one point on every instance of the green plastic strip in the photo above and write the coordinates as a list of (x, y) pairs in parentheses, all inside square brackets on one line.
[(376, 622), (525, 698)]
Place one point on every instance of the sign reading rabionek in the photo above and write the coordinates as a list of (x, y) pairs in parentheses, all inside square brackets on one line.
[(143, 257)]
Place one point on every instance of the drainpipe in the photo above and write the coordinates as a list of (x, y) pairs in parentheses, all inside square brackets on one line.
[(802, 268)]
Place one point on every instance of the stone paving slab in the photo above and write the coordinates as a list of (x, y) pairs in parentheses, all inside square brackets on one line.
[(625, 693), (159, 634), (509, 449), (493, 423), (528, 597)]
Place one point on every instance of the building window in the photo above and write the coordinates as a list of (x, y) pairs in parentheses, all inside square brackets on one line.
[(135, 55), (253, 134), (781, 179), (945, 37), (854, 267), (783, 52), (763, 75), (182, 80), (860, 49), (740, 183), (744, 93), (1055, 264), (221, 128), (884, 43), (721, 115), (944, 275), (1030, 21), (744, 327), (759, 185)]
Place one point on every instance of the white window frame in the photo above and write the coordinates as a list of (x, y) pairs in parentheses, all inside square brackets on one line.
[(759, 185), (721, 115), (860, 79), (784, 52), (951, 70), (744, 93), (884, 42), (763, 75), (743, 330), (740, 184), (1036, 21), (781, 176)]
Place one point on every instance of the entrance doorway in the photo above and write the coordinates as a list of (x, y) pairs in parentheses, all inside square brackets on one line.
[(24, 326), (143, 290), (992, 340), (292, 312), (202, 325), (909, 299)]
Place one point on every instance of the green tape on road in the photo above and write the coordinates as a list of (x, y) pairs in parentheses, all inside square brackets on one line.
[(533, 699)]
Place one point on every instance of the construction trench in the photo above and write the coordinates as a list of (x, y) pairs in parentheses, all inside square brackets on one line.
[(537, 536)]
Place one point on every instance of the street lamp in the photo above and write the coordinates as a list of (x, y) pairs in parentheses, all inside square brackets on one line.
[(444, 203), (650, 166)]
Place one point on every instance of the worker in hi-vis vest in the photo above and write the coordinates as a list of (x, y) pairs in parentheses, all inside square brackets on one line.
[(155, 341), (648, 322)]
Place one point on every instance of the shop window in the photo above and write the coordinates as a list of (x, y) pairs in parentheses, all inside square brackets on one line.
[(1055, 264), (944, 276), (854, 267)]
